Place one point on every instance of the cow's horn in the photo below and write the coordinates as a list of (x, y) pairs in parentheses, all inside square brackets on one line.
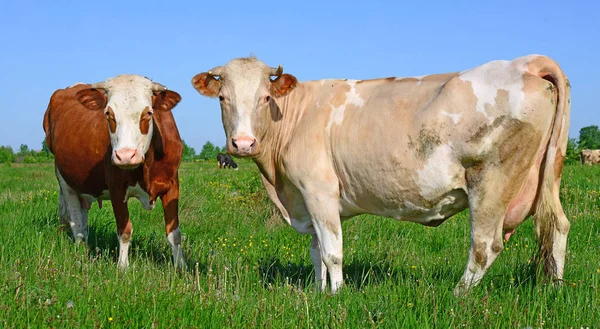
[(215, 72), (158, 87), (100, 85), (276, 71)]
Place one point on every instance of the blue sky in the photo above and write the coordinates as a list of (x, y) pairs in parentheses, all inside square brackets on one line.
[(48, 45)]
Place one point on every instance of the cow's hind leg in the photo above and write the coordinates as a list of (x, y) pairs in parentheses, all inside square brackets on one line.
[(491, 188), (486, 241), (70, 212), (170, 202)]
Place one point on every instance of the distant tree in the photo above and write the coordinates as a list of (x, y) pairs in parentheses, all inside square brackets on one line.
[(188, 152), (45, 148), (44, 155), (23, 150), (572, 156), (209, 151), (6, 154), (589, 138)]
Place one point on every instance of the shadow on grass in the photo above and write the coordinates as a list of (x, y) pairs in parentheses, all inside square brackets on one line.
[(102, 240), (273, 271), (359, 275)]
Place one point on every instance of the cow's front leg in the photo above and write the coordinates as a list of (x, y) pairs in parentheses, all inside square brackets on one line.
[(124, 228), (320, 268), (328, 230), (170, 202)]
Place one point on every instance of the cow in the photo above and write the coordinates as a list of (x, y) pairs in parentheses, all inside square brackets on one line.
[(589, 157), (414, 149), (114, 140), (225, 160)]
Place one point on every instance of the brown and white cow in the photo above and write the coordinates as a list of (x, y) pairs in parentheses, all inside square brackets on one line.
[(589, 157), (492, 139), (111, 141)]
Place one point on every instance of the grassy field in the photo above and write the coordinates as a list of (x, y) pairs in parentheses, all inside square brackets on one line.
[(246, 268)]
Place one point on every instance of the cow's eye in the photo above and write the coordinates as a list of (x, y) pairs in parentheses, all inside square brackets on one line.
[(221, 98)]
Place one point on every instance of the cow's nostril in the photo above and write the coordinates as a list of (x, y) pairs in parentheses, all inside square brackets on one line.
[(253, 142), (233, 143), (117, 156)]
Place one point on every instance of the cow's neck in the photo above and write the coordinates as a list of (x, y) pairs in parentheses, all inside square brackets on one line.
[(285, 114)]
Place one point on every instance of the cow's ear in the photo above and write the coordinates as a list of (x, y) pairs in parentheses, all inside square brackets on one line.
[(165, 100), (93, 99), (283, 85), (206, 84)]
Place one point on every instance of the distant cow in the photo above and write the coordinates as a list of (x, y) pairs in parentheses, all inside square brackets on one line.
[(225, 161), (111, 141), (589, 157), (492, 138)]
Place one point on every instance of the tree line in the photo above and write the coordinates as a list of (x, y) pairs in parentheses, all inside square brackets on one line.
[(26, 155), (209, 152)]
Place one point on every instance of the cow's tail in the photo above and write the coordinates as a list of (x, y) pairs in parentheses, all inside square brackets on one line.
[(551, 226)]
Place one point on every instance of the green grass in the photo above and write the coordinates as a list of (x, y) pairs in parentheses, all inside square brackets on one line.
[(246, 268)]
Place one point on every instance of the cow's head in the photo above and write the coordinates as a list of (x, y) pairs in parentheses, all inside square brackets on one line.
[(246, 92), (129, 101), (590, 156)]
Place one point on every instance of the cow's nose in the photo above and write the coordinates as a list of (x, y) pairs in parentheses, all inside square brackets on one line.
[(243, 145), (127, 157)]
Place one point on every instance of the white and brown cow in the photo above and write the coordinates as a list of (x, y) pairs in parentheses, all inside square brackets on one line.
[(492, 139), (111, 141), (589, 157)]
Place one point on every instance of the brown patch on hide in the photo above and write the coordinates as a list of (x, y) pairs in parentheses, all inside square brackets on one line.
[(145, 120), (339, 95), (426, 142), (485, 130), (480, 254), (559, 162), (110, 117)]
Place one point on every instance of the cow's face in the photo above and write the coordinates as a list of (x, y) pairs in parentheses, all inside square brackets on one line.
[(592, 156), (246, 93), (129, 102)]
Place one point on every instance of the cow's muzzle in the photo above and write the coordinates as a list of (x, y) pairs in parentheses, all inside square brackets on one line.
[(127, 158), (244, 146)]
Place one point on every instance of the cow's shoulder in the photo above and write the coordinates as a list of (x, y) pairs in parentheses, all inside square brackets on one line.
[(164, 155)]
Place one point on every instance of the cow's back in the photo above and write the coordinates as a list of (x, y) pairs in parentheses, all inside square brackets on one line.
[(78, 138)]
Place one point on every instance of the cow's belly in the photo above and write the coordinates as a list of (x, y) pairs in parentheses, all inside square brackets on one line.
[(103, 196), (138, 192), (132, 192), (430, 213), (425, 191), (449, 204)]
